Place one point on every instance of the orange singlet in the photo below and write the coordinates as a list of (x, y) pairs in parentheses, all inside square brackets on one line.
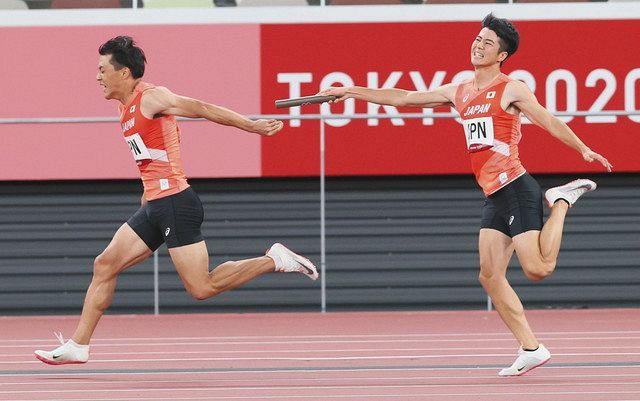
[(155, 146), (492, 134)]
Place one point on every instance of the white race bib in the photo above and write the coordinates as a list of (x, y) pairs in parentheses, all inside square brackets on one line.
[(479, 133), (138, 148)]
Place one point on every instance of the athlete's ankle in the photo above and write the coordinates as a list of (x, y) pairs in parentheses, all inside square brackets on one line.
[(78, 344)]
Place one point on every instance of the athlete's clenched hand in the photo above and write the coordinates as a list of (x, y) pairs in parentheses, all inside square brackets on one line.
[(340, 92)]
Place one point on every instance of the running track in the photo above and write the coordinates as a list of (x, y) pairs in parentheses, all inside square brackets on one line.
[(444, 356)]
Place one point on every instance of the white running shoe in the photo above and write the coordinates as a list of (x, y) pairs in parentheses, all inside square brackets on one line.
[(287, 261), (68, 352), (569, 192), (526, 361)]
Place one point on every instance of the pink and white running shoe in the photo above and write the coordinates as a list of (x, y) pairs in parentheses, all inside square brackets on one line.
[(569, 192), (69, 352), (288, 261)]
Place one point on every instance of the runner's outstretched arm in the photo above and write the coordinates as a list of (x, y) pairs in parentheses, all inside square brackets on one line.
[(161, 100), (444, 95), (521, 97)]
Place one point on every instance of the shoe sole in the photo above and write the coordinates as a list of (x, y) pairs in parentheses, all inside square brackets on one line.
[(529, 370), (311, 270), (56, 363)]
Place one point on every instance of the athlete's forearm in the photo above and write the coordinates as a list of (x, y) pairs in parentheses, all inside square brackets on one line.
[(192, 108), (562, 131), (224, 116), (392, 97)]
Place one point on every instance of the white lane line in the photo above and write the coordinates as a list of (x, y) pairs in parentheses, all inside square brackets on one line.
[(394, 341), (393, 336), (506, 383), (322, 397), (325, 397), (333, 358), (465, 378), (322, 351), (314, 370)]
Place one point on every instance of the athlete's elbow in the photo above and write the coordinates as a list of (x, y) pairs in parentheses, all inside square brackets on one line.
[(399, 101), (397, 104), (199, 109)]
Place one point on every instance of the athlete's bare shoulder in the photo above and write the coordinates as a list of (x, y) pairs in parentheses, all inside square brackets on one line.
[(449, 90), (518, 94), (156, 91), (517, 90), (156, 100)]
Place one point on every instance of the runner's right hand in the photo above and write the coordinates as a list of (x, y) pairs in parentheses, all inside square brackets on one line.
[(340, 92)]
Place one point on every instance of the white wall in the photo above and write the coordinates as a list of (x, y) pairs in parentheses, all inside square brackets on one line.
[(404, 13)]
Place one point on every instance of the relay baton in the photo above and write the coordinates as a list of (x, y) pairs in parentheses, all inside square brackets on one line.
[(301, 101)]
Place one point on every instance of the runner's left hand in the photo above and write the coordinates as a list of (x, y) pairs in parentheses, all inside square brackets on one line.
[(267, 127), (591, 156)]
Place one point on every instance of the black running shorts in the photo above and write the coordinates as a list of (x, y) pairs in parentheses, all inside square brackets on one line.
[(515, 208), (175, 219)]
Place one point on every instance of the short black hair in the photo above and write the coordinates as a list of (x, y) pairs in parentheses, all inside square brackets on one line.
[(508, 34), (125, 53)]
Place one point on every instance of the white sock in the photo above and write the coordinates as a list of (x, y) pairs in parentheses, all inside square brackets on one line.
[(277, 260), (76, 345)]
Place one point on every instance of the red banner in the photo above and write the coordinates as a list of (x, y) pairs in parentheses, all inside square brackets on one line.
[(572, 65), (569, 65)]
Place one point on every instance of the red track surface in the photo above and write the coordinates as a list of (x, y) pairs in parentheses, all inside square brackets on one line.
[(448, 356)]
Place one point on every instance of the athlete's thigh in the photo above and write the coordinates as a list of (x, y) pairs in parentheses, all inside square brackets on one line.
[(191, 262), (527, 246), (526, 231), (493, 215), (145, 228), (125, 249), (496, 249), (179, 218), (525, 207)]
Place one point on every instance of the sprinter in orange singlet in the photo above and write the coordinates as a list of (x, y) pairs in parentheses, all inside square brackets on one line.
[(490, 105), (171, 211)]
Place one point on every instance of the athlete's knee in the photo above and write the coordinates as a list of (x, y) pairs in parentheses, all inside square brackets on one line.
[(539, 271), (202, 292), (484, 278), (489, 279), (104, 267), (199, 294)]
